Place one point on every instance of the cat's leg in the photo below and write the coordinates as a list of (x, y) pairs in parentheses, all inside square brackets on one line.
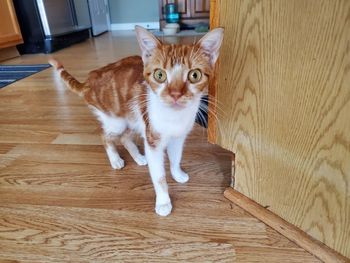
[(174, 149), (155, 159), (130, 146), (114, 158), (112, 127)]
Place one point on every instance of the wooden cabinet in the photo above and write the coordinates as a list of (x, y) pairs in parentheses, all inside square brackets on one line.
[(200, 8), (283, 92), (10, 34), (191, 12)]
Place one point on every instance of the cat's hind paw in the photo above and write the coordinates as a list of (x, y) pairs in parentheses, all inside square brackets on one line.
[(164, 209)]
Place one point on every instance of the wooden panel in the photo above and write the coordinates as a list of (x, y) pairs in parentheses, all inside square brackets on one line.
[(10, 34), (284, 85), (183, 8), (200, 8)]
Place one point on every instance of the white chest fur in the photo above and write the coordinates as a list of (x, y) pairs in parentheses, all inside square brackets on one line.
[(171, 122)]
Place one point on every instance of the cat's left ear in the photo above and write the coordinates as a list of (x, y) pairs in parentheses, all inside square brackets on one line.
[(211, 44), (147, 42)]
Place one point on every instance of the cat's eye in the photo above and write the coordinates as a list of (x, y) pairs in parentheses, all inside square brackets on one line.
[(194, 75), (159, 75)]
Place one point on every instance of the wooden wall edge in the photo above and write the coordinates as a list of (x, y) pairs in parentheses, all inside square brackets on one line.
[(288, 230), (212, 122)]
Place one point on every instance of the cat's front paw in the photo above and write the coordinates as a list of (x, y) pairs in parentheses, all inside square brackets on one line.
[(141, 160), (117, 163), (180, 176), (164, 209)]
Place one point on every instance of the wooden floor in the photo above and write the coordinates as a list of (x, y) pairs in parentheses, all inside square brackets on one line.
[(61, 202)]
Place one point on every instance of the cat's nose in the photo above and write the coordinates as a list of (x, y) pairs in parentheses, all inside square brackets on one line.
[(175, 95)]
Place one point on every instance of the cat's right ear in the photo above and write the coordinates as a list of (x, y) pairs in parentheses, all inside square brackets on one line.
[(147, 42), (211, 43)]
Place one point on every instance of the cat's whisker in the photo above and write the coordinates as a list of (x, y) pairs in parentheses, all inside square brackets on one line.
[(216, 113), (217, 108), (213, 100), (217, 122), (208, 110)]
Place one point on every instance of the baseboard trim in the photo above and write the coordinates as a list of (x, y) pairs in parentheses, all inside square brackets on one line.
[(131, 26), (288, 230)]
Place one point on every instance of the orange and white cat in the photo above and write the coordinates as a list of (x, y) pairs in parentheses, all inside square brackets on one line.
[(157, 96)]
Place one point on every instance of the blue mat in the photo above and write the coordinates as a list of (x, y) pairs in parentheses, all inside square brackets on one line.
[(12, 73)]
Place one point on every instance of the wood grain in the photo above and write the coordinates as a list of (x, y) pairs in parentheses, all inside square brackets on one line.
[(286, 229), (61, 202), (284, 81), (213, 85)]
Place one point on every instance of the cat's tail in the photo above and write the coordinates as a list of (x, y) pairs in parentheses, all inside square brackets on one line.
[(71, 82)]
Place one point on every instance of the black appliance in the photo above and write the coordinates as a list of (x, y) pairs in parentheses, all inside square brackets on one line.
[(49, 25)]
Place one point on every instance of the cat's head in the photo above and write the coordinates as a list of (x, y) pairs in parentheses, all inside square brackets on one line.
[(179, 74)]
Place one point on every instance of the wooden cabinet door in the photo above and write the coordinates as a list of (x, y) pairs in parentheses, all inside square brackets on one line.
[(200, 8), (283, 91), (10, 34)]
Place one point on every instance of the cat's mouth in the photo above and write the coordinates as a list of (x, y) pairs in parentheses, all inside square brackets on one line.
[(176, 105)]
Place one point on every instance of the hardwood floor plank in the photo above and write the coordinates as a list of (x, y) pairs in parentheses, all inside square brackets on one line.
[(272, 255)]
